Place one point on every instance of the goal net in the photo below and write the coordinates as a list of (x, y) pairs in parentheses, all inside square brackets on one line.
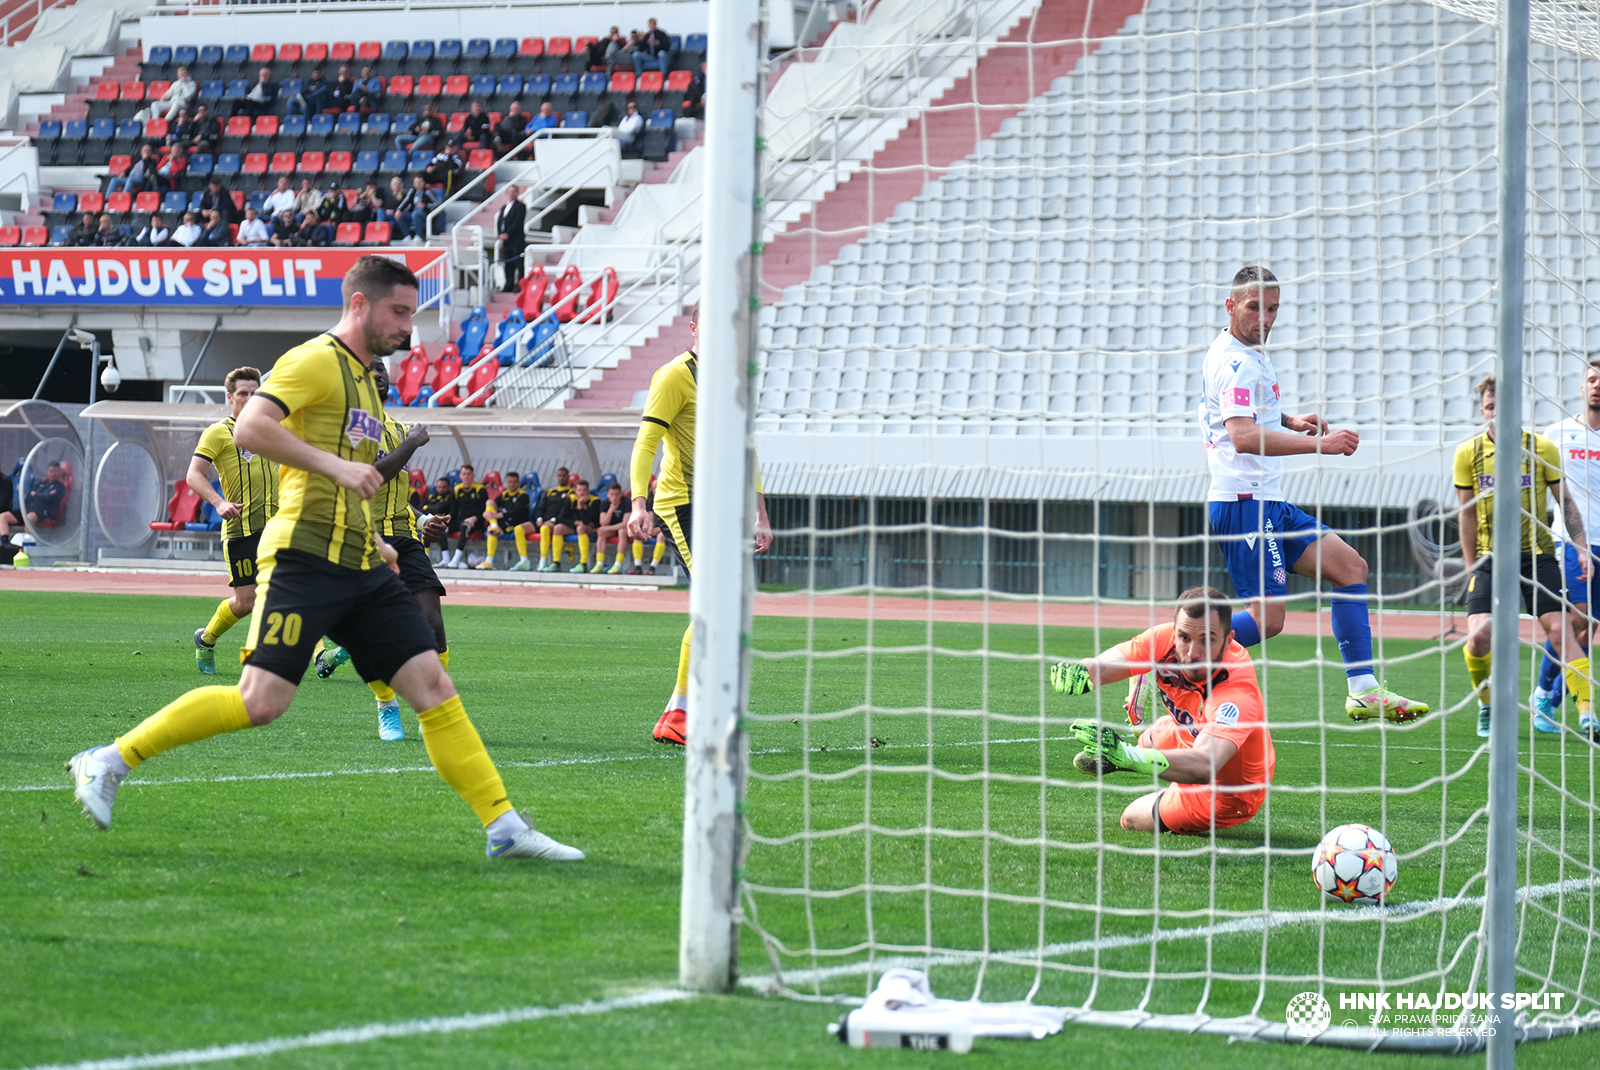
[(1000, 237)]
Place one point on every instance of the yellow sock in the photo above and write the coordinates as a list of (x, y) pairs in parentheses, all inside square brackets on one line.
[(522, 542), (384, 692), (638, 552), (1577, 677), (201, 714), (494, 544), (583, 549), (1478, 669), (622, 548), (661, 551), (544, 544), (458, 754), (322, 644), (221, 621), (444, 659), (683, 663)]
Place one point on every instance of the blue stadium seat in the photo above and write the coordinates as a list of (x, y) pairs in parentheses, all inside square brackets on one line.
[(348, 123), (130, 128), (64, 202), (477, 48), (320, 126), (211, 54), (212, 89), (227, 164), (76, 128), (239, 54), (160, 54), (194, 200), (293, 126), (200, 164), (660, 119), (537, 85), (420, 158), (483, 85), (422, 50), (175, 203), (505, 48), (577, 120), (49, 129), (378, 123), (404, 121), (236, 89), (59, 234), (450, 49), (396, 50), (289, 87), (695, 42), (366, 163), (185, 55), (567, 83), (394, 161), (102, 128), (592, 82), (530, 483), (677, 42), (257, 200), (510, 85)]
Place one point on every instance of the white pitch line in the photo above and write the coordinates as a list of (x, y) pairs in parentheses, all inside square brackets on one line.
[(1253, 924), (362, 1034)]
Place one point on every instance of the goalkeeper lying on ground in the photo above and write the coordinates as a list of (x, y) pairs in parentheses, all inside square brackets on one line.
[(1211, 746)]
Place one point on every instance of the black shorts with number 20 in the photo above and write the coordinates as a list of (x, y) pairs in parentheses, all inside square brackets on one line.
[(368, 612), (241, 555), (1542, 584)]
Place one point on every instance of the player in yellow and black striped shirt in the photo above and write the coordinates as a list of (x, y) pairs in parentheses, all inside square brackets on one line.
[(669, 411), (249, 498), (1542, 579), (320, 416)]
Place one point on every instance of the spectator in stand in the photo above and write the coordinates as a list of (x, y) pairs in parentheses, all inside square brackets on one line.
[(169, 172), (511, 227), (180, 129), (85, 232), (141, 174), (368, 207), (478, 126), (392, 198), (203, 131), (613, 48), (254, 230), (344, 90), (179, 95), (332, 209), (312, 231), (262, 97), (216, 199), (631, 126), (309, 199), (313, 96), (511, 129), (217, 235), (107, 235), (470, 501), (594, 53), (612, 515), (441, 502), (280, 200), (44, 500), (548, 118), (188, 232), (411, 214), (424, 132), (695, 102), (654, 49), (369, 92), (155, 232), (445, 165)]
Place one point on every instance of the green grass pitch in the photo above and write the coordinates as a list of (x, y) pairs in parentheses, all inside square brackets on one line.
[(220, 911)]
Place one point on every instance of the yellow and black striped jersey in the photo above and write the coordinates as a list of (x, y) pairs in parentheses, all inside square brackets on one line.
[(669, 411), (331, 402), (391, 506), (246, 479), (1541, 470)]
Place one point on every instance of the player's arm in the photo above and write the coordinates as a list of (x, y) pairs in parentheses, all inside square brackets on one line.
[(392, 464), (1199, 764), (199, 469), (1468, 522), (1572, 517), (260, 430), (1247, 436), (1075, 677), (763, 525)]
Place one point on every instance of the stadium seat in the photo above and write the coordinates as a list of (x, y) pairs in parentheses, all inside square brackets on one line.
[(236, 55), (35, 236), (419, 160), (449, 51), (283, 163), (413, 374), (400, 87), (256, 163), (120, 203), (237, 126), (156, 129), (185, 55), (92, 201), (377, 234), (339, 163), (395, 51), (445, 376), (537, 86), (509, 85), (263, 54), (479, 160), (60, 233), (695, 42), (566, 84), (430, 86), (182, 508), (212, 89), (568, 287), (650, 82), (479, 388), (118, 165), (456, 123), (477, 49), (622, 81), (580, 45), (320, 126), (210, 55), (505, 48), (108, 91), (160, 54), (230, 163), (483, 85), (157, 89), (290, 52), (422, 51), (236, 89), (369, 52), (531, 293), (176, 203), (316, 52), (10, 236), (602, 298), (541, 345), (531, 46), (265, 126), (394, 162), (659, 139), (594, 82), (237, 196), (148, 201), (510, 325), (342, 51), (365, 163), (347, 234), (348, 124), (559, 46), (294, 126), (457, 85), (474, 329), (311, 163), (575, 120)]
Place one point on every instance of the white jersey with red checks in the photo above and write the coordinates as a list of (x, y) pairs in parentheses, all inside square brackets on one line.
[(1239, 381), (1579, 448)]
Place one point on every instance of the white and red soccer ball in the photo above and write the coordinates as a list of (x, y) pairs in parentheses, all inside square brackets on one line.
[(1355, 865)]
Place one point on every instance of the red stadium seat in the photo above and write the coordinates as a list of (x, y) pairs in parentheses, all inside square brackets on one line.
[(413, 372), (430, 85), (93, 201), (342, 51), (579, 44), (350, 196), (182, 508), (255, 163), (10, 236), (121, 203), (148, 201), (290, 53), (483, 374), (458, 121), (565, 300), (237, 195), (678, 81), (282, 163), (108, 91), (119, 165), (233, 233), (157, 89), (310, 163), (457, 85), (650, 82), (419, 482), (266, 126), (316, 53), (600, 308), (531, 46), (133, 90), (263, 54), (560, 46), (530, 294), (369, 50), (155, 129), (622, 81), (445, 375), (480, 159), (238, 126), (37, 236), (400, 86), (338, 163), (347, 234), (377, 234)]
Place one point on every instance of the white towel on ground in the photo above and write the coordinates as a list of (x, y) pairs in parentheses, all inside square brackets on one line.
[(908, 991)]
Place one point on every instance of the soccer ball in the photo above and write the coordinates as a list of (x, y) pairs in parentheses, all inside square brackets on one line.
[(1355, 864)]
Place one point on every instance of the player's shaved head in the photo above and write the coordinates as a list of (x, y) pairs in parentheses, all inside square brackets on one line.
[(1253, 276), (1196, 602), (1252, 305)]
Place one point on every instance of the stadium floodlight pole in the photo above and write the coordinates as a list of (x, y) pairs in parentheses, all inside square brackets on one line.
[(719, 597), (1499, 907)]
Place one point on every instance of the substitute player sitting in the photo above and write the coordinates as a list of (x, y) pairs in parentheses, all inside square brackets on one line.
[(508, 511), (1264, 537), (249, 498), (1541, 575), (1212, 745)]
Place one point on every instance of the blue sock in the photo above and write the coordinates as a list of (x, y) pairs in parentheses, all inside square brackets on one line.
[(1352, 628), (1550, 669), (1245, 630)]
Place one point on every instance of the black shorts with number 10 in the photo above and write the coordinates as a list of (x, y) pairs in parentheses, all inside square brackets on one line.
[(241, 555), (369, 612)]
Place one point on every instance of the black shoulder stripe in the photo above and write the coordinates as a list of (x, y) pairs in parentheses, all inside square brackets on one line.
[(658, 423), (274, 400)]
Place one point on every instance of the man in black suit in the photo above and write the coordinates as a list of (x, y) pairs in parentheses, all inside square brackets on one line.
[(513, 220), (217, 199)]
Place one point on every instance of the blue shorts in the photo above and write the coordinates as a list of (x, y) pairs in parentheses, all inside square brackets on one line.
[(1577, 590), (1260, 567)]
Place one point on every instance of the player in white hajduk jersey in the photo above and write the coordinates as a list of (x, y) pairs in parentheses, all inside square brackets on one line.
[(1264, 538), (1577, 441)]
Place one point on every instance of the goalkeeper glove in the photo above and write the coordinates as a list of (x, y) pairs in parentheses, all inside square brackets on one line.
[(1109, 749), (1070, 678)]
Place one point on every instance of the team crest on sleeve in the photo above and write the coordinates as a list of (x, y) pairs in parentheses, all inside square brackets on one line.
[(1227, 713), (362, 426)]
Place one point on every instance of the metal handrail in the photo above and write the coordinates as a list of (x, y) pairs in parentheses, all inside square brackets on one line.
[(459, 194), (442, 294), (10, 32)]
